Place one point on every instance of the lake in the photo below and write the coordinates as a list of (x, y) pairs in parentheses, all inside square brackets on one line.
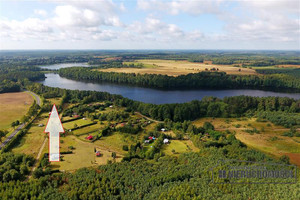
[(65, 65), (155, 96)]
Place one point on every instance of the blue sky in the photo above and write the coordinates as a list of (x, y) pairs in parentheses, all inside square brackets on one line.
[(149, 24)]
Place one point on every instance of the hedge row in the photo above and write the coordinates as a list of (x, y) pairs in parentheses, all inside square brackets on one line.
[(70, 120), (79, 127)]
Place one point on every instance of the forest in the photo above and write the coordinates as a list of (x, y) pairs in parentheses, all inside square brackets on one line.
[(12, 75), (248, 58), (217, 80), (185, 177)]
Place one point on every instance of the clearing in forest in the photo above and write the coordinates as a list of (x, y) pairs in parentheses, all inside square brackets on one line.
[(176, 68), (268, 137)]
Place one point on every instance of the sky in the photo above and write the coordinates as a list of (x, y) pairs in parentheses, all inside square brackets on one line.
[(150, 24)]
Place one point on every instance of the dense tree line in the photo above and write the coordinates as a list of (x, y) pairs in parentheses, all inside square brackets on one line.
[(208, 107), (11, 76), (251, 58), (9, 86), (185, 177), (280, 118), (14, 166), (216, 80), (295, 72)]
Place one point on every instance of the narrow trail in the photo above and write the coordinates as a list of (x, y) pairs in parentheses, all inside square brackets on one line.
[(37, 158), (148, 118)]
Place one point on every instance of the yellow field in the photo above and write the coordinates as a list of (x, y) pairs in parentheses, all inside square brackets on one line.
[(180, 146), (269, 140), (32, 141), (83, 155), (13, 107), (175, 68)]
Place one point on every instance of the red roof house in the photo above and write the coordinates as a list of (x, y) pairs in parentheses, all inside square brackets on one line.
[(90, 137), (98, 153)]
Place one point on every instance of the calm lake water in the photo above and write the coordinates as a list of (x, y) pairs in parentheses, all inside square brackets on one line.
[(155, 96), (65, 65)]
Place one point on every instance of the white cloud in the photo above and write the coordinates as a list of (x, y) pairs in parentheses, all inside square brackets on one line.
[(29, 28), (72, 20), (274, 21), (40, 12), (175, 7), (155, 26)]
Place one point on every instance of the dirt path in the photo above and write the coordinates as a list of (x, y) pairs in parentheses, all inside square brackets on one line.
[(37, 158), (148, 118)]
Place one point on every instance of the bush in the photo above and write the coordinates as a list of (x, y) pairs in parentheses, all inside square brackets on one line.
[(125, 147)]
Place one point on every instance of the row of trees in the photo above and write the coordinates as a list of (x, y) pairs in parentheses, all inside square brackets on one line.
[(207, 107), (185, 177), (215, 80)]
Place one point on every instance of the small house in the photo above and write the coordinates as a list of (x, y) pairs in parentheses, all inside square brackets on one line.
[(150, 138), (147, 141), (84, 118), (40, 125), (110, 106), (98, 154), (75, 116), (166, 141), (90, 137), (163, 129)]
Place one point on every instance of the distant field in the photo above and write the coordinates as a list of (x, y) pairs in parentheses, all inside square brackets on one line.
[(176, 68), (269, 140), (13, 106)]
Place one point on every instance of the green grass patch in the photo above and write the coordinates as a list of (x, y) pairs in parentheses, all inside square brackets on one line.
[(87, 130), (79, 122), (176, 147)]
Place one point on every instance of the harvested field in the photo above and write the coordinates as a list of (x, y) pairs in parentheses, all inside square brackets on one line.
[(13, 107), (176, 68)]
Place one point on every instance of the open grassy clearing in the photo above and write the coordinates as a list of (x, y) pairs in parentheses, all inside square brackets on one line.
[(88, 129), (32, 141), (79, 122), (177, 147), (115, 141), (269, 140), (55, 101), (13, 107), (83, 155), (176, 68)]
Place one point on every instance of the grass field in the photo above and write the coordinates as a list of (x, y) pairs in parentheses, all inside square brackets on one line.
[(175, 68), (88, 129), (55, 101), (83, 154), (79, 122), (269, 140), (32, 141), (180, 146), (13, 107), (115, 141)]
